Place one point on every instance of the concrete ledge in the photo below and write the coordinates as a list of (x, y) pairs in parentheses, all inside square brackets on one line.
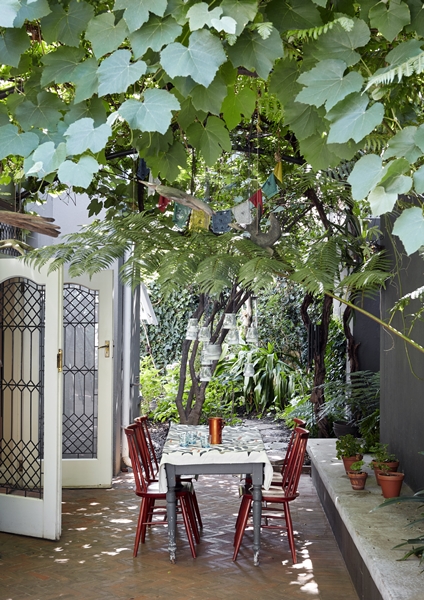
[(366, 538)]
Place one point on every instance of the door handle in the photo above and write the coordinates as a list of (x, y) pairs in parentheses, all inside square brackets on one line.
[(106, 346)]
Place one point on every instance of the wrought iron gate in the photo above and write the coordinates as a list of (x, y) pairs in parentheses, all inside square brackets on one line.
[(80, 369), (22, 328)]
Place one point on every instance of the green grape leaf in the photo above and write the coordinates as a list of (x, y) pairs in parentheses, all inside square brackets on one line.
[(78, 174), (211, 139), (188, 114), (404, 52), (340, 44), (403, 144), (297, 14), (9, 10), (419, 180), (67, 26), (44, 115), (13, 43), (85, 79), (327, 85), (389, 17), (242, 11), (154, 114), (419, 139), (365, 175), (409, 227), (46, 159), (317, 153), (60, 64), (254, 53), (227, 24), (303, 119), (283, 81), (82, 136), (199, 15), (170, 163), (13, 142), (381, 201), (237, 104), (417, 17), (350, 118), (155, 34), (210, 99), (95, 110), (31, 10), (200, 60), (104, 35), (137, 11), (116, 73)]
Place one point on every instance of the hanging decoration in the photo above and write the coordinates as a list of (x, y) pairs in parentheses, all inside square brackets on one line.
[(205, 374), (192, 329), (204, 334), (230, 321), (213, 351), (163, 203), (233, 337), (256, 199), (242, 213), (278, 170), (221, 221), (252, 335), (270, 187), (199, 220), (249, 370), (181, 215)]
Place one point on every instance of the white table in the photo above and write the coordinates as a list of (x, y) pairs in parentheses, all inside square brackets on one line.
[(242, 451)]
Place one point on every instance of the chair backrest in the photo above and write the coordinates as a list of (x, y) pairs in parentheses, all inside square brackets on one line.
[(144, 450), (293, 470), (153, 465), (135, 457), (298, 423)]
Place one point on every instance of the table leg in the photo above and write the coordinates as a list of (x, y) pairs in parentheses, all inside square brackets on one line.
[(171, 509), (257, 477)]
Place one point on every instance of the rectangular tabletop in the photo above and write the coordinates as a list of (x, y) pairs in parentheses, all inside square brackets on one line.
[(242, 451), (240, 446)]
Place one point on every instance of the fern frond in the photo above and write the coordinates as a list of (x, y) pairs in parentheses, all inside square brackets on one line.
[(370, 278), (320, 269), (385, 76), (259, 273), (316, 32)]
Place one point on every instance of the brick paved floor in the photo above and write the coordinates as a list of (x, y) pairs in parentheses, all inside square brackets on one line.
[(93, 559)]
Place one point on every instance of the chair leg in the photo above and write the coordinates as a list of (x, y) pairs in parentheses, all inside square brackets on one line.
[(196, 509), (290, 535), (139, 527), (246, 503), (148, 507), (185, 512), (192, 517)]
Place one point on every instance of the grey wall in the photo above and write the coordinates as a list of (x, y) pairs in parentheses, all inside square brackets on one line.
[(367, 333), (402, 372)]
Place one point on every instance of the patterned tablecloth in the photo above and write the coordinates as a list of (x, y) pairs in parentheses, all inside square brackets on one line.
[(239, 445)]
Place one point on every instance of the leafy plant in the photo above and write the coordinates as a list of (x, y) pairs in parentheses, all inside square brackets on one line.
[(357, 466), (151, 386), (347, 446), (381, 456)]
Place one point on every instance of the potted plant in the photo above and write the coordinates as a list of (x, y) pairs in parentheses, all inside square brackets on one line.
[(383, 460), (357, 476), (390, 481), (349, 450)]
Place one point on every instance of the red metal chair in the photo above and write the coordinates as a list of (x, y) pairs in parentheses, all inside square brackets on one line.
[(279, 476), (149, 493), (151, 466), (277, 498)]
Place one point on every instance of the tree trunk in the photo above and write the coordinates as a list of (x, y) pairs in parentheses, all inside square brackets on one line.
[(352, 347)]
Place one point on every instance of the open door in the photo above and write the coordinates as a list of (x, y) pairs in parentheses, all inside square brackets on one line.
[(30, 400), (88, 381)]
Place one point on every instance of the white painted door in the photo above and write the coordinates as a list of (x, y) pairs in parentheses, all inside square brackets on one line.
[(30, 400), (88, 381)]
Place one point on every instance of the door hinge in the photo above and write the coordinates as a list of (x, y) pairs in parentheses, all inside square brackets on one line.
[(60, 360), (106, 346)]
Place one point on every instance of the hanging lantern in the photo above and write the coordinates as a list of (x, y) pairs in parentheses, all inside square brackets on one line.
[(204, 334), (252, 335), (233, 337), (249, 370), (192, 329), (205, 374), (213, 351), (205, 359), (230, 321)]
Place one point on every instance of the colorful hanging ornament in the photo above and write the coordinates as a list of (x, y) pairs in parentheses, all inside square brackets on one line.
[(270, 187), (199, 220), (256, 199), (242, 213), (163, 203), (221, 221), (181, 214), (278, 171)]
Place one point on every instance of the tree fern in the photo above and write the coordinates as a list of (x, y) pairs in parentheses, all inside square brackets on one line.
[(385, 76)]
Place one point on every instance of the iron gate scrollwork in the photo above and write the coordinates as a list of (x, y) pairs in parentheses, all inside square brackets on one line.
[(80, 370), (22, 331)]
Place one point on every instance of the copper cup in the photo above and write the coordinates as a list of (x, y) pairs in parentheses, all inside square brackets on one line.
[(216, 425)]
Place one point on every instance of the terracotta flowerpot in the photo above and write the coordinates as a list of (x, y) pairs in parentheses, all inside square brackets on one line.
[(391, 483), (349, 460), (392, 467), (357, 480)]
